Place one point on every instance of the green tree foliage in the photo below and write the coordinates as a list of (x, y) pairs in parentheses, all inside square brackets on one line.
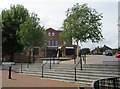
[(82, 24), (0, 20), (114, 50), (85, 51), (31, 33), (11, 20), (119, 49)]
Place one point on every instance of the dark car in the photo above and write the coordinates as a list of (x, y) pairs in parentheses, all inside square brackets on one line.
[(118, 54)]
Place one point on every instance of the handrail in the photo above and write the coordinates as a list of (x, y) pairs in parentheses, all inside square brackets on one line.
[(45, 64), (43, 67), (80, 60)]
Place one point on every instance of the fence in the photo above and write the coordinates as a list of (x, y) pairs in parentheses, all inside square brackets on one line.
[(110, 83)]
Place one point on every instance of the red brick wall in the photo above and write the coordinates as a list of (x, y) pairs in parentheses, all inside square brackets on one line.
[(56, 37)]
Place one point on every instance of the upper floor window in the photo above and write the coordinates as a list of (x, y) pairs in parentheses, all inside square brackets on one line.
[(49, 33), (48, 43), (53, 33)]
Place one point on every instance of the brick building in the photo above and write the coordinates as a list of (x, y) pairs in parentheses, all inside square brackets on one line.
[(53, 37), (53, 42), (54, 47)]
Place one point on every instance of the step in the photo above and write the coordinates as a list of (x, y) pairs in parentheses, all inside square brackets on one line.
[(83, 73), (59, 73), (86, 81), (85, 70)]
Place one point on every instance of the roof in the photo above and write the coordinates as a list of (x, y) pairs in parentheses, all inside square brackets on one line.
[(106, 47), (53, 29)]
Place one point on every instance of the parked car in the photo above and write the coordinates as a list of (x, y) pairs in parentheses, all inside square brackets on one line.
[(108, 52), (118, 54)]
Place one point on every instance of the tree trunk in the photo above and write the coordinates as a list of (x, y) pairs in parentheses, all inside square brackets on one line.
[(11, 57)]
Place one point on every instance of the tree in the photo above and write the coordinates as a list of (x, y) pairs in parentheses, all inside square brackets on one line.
[(11, 20), (0, 20), (31, 33), (82, 24), (118, 48), (85, 51)]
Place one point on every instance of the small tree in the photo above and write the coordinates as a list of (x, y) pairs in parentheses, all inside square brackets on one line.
[(82, 24), (31, 33), (85, 51)]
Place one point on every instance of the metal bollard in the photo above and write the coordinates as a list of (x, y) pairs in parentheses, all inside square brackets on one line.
[(10, 72)]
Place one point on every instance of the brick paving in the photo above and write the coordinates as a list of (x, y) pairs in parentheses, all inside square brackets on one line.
[(22, 80)]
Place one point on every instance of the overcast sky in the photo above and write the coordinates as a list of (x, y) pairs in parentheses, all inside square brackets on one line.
[(52, 14)]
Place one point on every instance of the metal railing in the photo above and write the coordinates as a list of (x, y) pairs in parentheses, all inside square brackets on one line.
[(75, 67), (109, 83), (50, 59), (43, 67)]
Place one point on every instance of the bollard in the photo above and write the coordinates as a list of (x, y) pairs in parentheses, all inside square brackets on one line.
[(10, 72)]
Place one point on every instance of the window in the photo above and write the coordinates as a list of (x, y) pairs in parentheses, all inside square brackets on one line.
[(53, 33), (48, 43), (52, 42), (49, 34), (56, 43)]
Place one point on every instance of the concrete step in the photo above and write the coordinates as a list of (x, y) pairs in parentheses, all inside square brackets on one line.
[(67, 79), (72, 71), (64, 72), (79, 74), (71, 68), (95, 69), (70, 79)]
